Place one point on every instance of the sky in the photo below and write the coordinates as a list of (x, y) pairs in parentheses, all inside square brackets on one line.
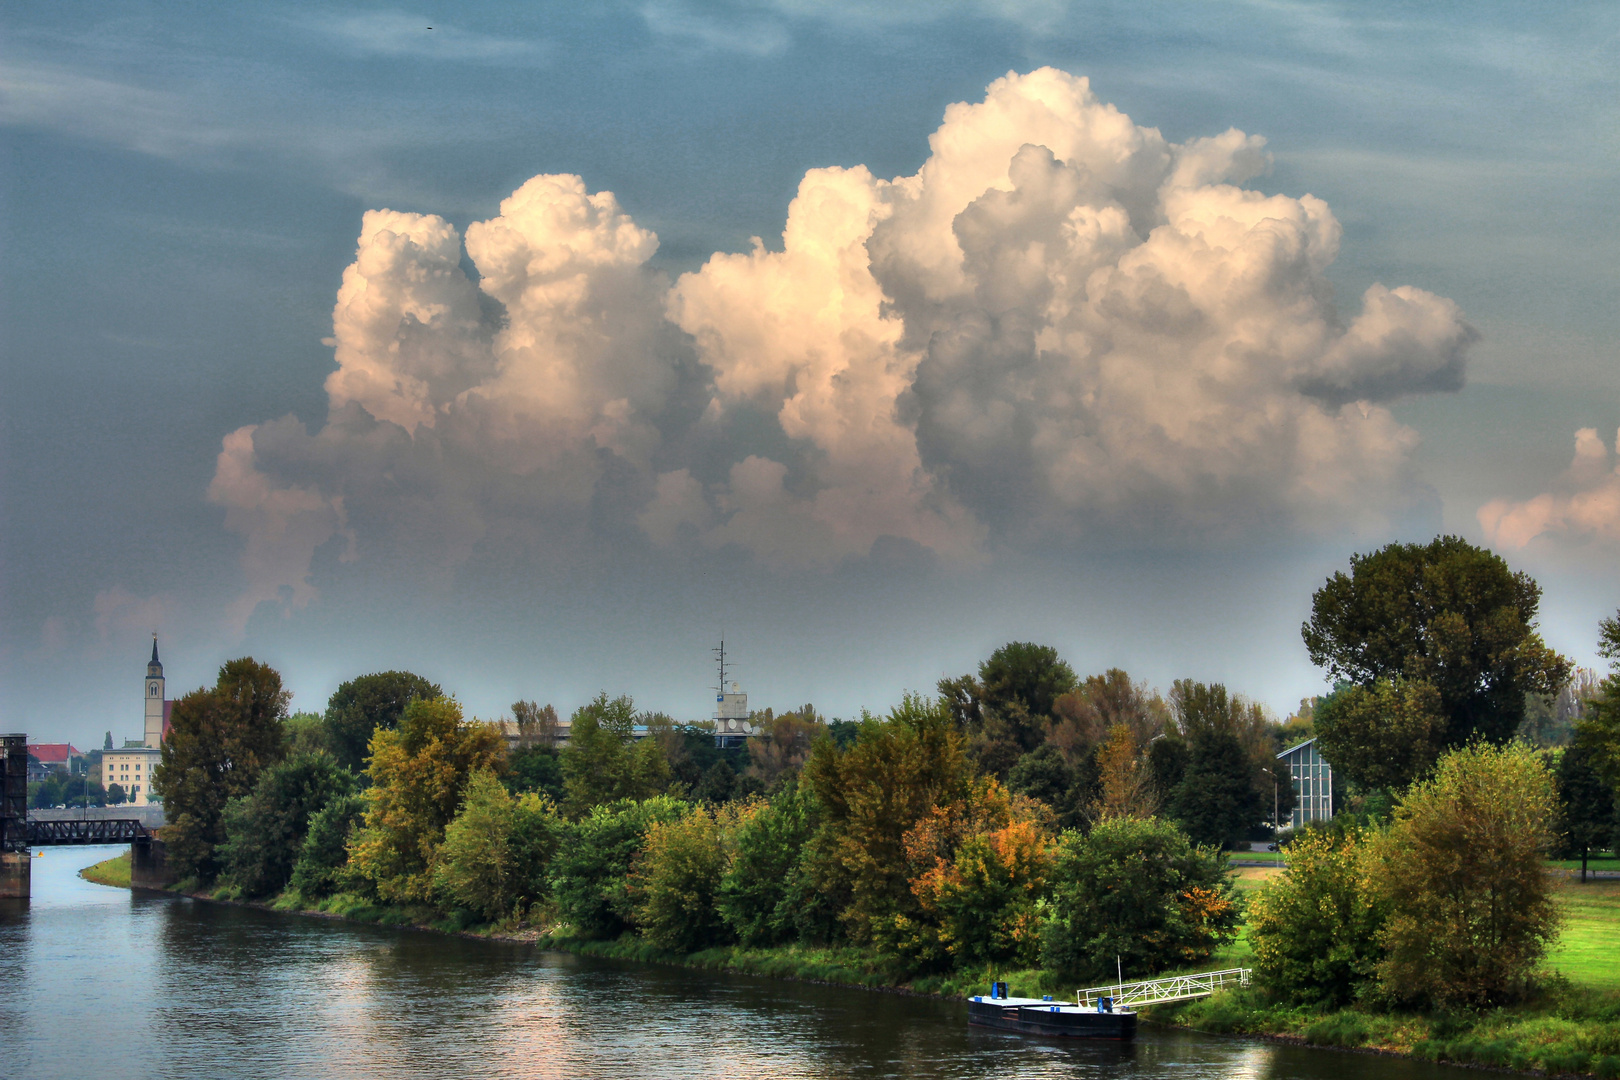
[(536, 348)]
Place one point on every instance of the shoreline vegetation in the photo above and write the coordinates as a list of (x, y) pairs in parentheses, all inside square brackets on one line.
[(1571, 1027), (1022, 825)]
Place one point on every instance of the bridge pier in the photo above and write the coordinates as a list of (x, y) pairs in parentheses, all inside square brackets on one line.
[(16, 868), (149, 864)]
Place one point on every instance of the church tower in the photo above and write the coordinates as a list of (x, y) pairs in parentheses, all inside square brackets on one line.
[(154, 699)]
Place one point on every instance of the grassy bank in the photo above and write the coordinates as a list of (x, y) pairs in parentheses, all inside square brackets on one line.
[(1573, 1026), (114, 872)]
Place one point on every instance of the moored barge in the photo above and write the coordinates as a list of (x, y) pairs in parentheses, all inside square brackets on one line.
[(1043, 1016)]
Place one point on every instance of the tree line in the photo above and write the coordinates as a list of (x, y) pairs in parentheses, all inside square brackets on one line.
[(1020, 816)]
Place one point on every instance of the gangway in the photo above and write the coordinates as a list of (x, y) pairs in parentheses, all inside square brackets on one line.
[(1160, 991)]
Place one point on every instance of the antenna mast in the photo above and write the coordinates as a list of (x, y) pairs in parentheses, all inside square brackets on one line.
[(720, 655)]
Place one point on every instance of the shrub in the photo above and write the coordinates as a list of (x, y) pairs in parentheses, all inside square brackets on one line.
[(1138, 890), (1315, 929), (473, 866)]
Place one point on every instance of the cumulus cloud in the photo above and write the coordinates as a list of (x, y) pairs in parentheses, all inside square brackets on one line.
[(1584, 503), (1062, 328)]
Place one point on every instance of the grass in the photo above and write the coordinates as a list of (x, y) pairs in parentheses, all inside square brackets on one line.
[(1588, 950), (114, 872), (1607, 862)]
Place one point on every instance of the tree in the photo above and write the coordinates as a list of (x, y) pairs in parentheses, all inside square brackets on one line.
[(306, 733), (1586, 804), (418, 775), (590, 873), (1125, 785), (219, 741), (1315, 929), (1137, 890), (1382, 736), (536, 724), (604, 762), (1444, 626), (986, 897), (473, 868), (758, 896), (871, 795), (108, 743), (1044, 775), (116, 796), (537, 769), (368, 704), (322, 866), (265, 829), (1600, 728), (779, 752), (1461, 870), (677, 876), (1224, 790)]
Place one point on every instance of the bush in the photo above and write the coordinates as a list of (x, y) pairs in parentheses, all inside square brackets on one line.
[(1315, 929), (590, 871), (987, 897), (474, 864), (265, 829), (1137, 890)]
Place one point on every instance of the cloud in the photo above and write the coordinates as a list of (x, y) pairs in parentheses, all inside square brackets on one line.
[(1584, 502), (1062, 329), (120, 613)]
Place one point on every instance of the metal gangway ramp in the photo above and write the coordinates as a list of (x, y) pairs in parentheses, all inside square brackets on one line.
[(1161, 991)]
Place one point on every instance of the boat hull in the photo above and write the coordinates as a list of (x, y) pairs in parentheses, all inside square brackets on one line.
[(1060, 1021)]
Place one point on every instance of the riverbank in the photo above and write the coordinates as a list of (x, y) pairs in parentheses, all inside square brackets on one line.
[(1572, 1028)]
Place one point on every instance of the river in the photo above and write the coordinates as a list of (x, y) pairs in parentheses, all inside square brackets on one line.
[(102, 982)]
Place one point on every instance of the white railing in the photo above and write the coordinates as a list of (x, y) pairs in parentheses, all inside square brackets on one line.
[(1158, 991)]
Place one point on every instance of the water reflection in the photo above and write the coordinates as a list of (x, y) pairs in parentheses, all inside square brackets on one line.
[(95, 979)]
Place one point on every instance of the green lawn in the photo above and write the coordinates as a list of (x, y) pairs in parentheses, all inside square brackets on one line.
[(1588, 950), (114, 872), (1607, 862), (1258, 856)]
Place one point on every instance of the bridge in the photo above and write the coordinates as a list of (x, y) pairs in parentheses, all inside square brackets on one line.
[(1162, 991), (19, 833)]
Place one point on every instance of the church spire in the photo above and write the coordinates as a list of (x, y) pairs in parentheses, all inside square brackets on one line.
[(155, 668)]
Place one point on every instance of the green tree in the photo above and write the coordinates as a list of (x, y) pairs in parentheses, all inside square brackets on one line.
[(1461, 870), (1447, 615), (677, 875), (590, 873), (219, 741), (1044, 775), (1139, 890), (763, 889), (1586, 804), (1219, 795), (1315, 929), (265, 829), (369, 704), (537, 769), (418, 775), (1382, 736), (322, 866), (1600, 728), (987, 896), (603, 761), (871, 795), (473, 867), (116, 796)]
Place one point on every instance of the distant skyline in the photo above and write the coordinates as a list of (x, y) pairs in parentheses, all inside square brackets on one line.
[(350, 344)]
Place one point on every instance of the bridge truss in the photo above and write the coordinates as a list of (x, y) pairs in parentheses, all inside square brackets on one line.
[(1161, 991)]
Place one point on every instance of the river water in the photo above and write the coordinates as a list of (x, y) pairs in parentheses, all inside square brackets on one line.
[(102, 982)]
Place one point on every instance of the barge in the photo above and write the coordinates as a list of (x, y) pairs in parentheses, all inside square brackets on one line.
[(1043, 1016)]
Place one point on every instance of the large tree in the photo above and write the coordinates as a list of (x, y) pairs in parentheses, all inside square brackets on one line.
[(604, 762), (1586, 804), (1437, 643), (265, 829), (419, 775), (219, 741), (1007, 710), (1599, 730), (368, 704)]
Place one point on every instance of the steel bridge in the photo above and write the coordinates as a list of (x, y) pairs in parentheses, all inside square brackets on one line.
[(86, 831), (1160, 991)]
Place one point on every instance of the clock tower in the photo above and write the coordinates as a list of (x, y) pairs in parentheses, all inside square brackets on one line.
[(154, 699)]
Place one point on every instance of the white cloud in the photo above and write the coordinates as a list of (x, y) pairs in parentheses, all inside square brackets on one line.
[(1063, 327), (1584, 503)]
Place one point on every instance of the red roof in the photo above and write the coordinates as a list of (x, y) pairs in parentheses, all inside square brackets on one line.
[(52, 753)]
